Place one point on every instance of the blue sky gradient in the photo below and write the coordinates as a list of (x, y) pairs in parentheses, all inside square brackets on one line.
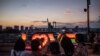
[(22, 12)]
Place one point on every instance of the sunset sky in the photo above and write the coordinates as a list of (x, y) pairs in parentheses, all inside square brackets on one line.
[(23, 12)]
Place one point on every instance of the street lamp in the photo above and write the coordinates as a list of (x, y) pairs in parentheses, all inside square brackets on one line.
[(88, 15)]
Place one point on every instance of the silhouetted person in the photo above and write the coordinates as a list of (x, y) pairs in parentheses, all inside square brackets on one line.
[(55, 48), (81, 49), (96, 48), (80, 38), (19, 47), (67, 46), (35, 47), (35, 44), (92, 36)]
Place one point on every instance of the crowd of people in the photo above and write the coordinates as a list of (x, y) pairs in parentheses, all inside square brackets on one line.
[(53, 47)]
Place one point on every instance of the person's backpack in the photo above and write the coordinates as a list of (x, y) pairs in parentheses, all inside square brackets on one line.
[(15, 53)]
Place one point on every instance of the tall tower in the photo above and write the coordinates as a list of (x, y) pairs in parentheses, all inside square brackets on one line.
[(54, 24)]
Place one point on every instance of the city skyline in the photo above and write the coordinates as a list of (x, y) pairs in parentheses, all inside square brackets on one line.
[(23, 12)]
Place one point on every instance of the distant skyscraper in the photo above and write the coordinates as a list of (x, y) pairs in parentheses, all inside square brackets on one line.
[(31, 27), (22, 28), (16, 27), (0, 27), (8, 28), (26, 28)]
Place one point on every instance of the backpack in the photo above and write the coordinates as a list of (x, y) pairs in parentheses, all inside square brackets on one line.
[(16, 54)]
